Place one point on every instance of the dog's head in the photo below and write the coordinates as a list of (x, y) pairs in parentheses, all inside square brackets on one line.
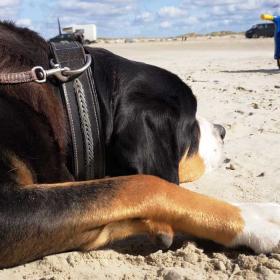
[(157, 132)]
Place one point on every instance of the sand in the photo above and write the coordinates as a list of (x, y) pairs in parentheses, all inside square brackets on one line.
[(237, 85)]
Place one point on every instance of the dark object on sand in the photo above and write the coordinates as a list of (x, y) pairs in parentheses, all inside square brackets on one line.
[(260, 30)]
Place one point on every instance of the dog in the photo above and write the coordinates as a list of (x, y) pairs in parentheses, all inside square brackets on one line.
[(153, 142)]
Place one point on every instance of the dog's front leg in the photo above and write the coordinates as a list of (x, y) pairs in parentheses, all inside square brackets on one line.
[(39, 220), (256, 225)]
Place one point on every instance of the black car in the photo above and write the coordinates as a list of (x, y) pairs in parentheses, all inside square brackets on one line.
[(260, 30), (68, 37)]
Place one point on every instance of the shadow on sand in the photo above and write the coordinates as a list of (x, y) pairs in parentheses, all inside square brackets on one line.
[(264, 71), (142, 245)]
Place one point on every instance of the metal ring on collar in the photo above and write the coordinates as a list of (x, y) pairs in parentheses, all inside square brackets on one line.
[(65, 73)]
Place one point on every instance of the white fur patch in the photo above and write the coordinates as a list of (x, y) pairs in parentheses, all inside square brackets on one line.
[(262, 227), (210, 145)]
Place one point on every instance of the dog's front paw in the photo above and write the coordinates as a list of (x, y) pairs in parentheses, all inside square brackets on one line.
[(261, 230)]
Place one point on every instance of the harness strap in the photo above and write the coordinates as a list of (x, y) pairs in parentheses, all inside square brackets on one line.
[(39, 75), (80, 100), (17, 78)]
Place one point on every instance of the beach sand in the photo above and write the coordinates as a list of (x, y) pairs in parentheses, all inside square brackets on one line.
[(237, 84)]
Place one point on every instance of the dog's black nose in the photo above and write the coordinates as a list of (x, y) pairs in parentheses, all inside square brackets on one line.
[(221, 130)]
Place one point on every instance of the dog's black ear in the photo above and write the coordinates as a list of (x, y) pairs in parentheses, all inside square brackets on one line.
[(150, 136)]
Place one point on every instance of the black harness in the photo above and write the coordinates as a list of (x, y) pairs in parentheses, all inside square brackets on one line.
[(80, 100), (78, 94)]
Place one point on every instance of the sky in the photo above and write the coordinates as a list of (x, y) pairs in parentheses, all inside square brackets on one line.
[(142, 18)]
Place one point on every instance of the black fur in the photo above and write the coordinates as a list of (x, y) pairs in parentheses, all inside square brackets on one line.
[(149, 116)]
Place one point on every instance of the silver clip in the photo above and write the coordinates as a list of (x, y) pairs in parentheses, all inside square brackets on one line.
[(57, 71), (61, 73)]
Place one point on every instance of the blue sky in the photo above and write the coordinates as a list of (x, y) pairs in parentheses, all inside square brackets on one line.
[(132, 18)]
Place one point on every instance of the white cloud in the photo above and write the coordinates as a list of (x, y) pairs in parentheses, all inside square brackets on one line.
[(165, 24), (9, 8), (191, 20), (144, 17), (235, 15), (97, 8), (172, 12), (212, 3), (106, 14), (112, 17), (8, 3), (25, 22), (231, 5)]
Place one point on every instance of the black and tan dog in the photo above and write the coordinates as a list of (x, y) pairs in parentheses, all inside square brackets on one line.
[(151, 128)]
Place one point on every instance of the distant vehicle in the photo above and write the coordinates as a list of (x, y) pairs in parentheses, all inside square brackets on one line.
[(68, 37), (88, 30), (260, 30)]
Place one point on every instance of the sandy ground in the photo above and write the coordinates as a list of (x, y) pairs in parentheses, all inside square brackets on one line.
[(238, 85)]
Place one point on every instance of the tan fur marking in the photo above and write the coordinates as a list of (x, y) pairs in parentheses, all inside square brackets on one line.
[(185, 211), (150, 198), (24, 174), (191, 168), (121, 230)]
